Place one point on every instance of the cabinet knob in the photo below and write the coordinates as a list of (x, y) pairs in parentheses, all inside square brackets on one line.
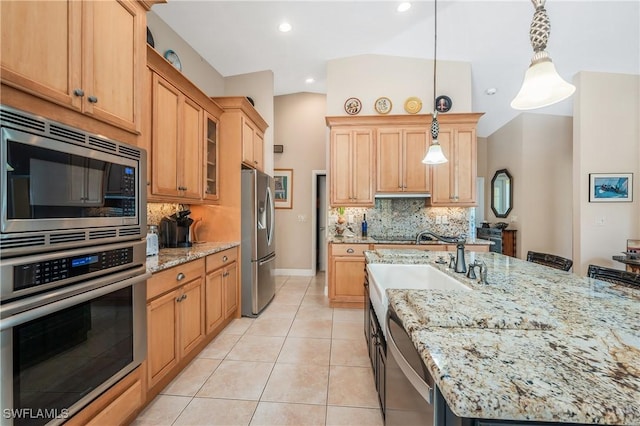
[(92, 99), (226, 274), (225, 258), (148, 183), (78, 92), (180, 277), (350, 251), (184, 296), (178, 299)]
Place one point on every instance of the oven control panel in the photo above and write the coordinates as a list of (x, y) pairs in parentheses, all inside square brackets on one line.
[(38, 273)]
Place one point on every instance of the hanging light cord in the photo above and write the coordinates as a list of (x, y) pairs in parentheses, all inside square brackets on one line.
[(435, 49)]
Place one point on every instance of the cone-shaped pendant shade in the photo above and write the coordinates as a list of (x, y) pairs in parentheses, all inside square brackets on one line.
[(435, 155), (542, 86)]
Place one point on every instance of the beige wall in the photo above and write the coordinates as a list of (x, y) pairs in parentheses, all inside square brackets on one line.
[(300, 127), (194, 67), (259, 87), (607, 140), (536, 149), (368, 77)]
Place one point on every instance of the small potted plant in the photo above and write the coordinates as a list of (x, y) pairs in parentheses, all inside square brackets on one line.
[(341, 222)]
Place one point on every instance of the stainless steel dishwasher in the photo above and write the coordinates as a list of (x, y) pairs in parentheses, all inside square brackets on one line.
[(411, 396)]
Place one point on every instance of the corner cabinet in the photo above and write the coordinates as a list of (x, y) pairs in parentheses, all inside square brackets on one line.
[(71, 48), (454, 183), (352, 165), (242, 123)]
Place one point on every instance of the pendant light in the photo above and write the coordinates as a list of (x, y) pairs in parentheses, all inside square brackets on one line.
[(435, 154), (542, 85)]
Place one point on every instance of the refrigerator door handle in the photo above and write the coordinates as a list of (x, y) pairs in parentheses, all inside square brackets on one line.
[(271, 210), (268, 259)]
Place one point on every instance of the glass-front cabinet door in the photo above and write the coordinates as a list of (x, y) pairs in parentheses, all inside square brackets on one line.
[(211, 190)]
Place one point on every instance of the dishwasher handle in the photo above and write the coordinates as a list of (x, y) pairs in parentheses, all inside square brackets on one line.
[(416, 381)]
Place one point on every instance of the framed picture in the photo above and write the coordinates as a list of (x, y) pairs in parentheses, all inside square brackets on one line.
[(610, 187), (284, 188)]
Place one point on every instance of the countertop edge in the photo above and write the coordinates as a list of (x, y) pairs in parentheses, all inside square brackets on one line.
[(170, 257)]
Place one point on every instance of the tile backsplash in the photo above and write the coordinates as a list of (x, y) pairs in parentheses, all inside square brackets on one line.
[(405, 217)]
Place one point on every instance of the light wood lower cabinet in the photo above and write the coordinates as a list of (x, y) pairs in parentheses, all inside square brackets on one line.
[(116, 406), (221, 291), (175, 317), (346, 274)]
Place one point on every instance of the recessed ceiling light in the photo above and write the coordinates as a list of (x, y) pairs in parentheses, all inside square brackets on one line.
[(310, 80), (285, 27), (404, 6), (491, 91)]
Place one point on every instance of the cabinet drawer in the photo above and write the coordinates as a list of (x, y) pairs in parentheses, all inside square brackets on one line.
[(349, 249), (220, 259), (169, 279)]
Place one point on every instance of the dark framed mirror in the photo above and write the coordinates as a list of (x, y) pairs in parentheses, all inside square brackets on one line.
[(502, 193)]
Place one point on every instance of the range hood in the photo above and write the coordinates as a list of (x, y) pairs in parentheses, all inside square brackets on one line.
[(402, 195)]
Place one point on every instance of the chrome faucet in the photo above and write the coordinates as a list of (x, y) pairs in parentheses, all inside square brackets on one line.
[(460, 265)]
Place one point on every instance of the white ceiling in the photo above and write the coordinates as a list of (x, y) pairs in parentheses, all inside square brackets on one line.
[(238, 37)]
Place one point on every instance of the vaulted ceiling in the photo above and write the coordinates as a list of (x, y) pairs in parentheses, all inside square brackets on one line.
[(238, 37)]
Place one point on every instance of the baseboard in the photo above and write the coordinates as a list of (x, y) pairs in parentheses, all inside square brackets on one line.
[(294, 272)]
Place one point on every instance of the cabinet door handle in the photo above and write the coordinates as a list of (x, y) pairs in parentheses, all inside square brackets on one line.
[(350, 251), (184, 296), (179, 299), (180, 276), (78, 92), (225, 258), (92, 99)]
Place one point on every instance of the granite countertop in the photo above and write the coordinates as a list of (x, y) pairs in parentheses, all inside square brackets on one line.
[(370, 240), (535, 344), (170, 257)]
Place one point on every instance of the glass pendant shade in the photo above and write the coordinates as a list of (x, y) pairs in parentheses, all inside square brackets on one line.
[(435, 155), (542, 86)]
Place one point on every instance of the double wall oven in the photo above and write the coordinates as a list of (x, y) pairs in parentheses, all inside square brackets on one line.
[(72, 266)]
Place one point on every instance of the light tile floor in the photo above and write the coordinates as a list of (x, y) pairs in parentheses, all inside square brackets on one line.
[(299, 363)]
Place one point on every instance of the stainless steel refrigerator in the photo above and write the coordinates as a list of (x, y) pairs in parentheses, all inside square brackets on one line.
[(258, 242)]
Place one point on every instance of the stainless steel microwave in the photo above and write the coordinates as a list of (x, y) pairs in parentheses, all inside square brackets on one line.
[(62, 187)]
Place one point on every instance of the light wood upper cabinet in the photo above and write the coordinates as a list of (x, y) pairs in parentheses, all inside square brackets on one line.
[(85, 55), (243, 125), (181, 135), (211, 155), (352, 165), (176, 143), (454, 183), (399, 160)]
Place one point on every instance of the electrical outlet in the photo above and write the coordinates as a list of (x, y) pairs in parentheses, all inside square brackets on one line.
[(438, 220), (302, 218), (600, 221), (350, 218), (445, 220)]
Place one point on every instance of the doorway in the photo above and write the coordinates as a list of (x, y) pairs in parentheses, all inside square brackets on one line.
[(319, 211)]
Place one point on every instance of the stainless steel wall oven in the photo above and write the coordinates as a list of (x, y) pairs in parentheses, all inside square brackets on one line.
[(72, 267), (63, 187)]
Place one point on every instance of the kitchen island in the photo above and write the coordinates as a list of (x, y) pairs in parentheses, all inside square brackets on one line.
[(535, 344)]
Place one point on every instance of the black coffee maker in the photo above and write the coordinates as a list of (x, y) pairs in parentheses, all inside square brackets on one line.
[(174, 230)]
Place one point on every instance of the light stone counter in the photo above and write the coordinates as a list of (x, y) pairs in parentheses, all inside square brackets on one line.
[(170, 257), (370, 240), (535, 344)]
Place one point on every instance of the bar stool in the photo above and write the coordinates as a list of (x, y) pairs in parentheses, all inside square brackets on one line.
[(614, 276), (551, 260)]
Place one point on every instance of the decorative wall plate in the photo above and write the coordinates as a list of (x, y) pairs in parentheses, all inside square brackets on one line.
[(383, 105), (173, 58), (352, 106), (413, 105), (443, 103)]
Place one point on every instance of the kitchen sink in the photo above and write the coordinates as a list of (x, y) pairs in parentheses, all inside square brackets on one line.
[(416, 277)]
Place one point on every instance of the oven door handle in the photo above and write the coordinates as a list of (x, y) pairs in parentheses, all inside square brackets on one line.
[(59, 305)]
